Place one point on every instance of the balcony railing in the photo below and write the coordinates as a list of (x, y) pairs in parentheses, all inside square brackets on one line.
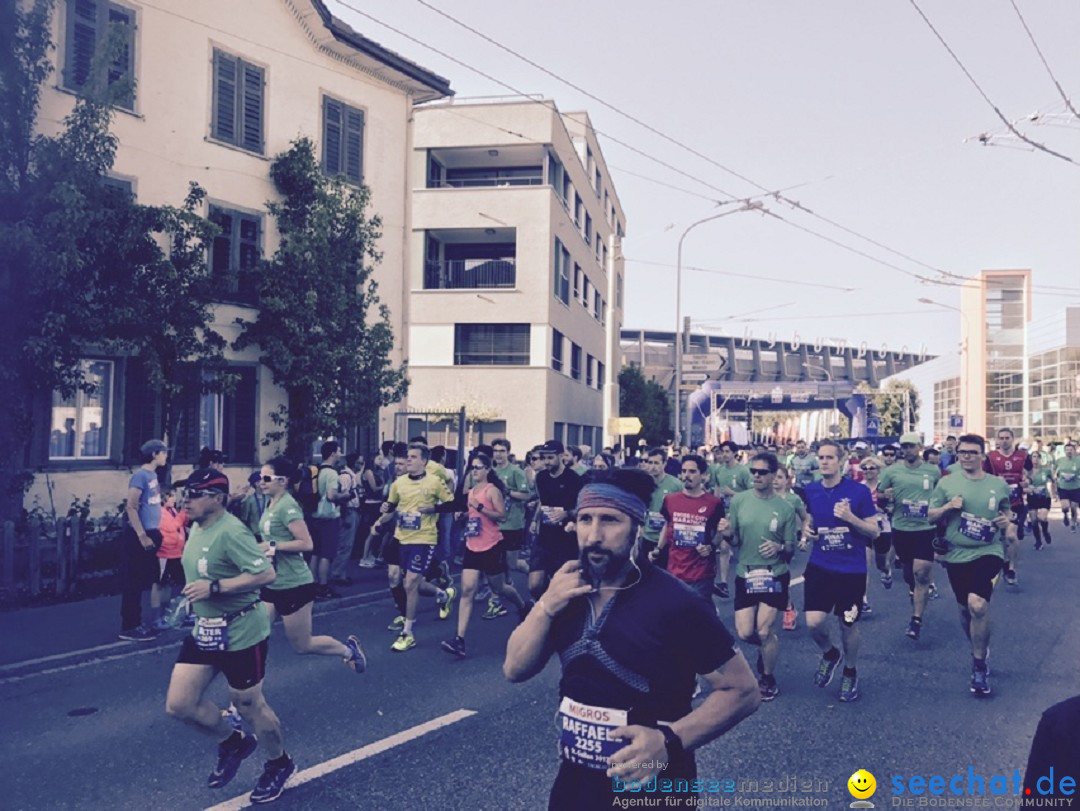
[(470, 274), (486, 182)]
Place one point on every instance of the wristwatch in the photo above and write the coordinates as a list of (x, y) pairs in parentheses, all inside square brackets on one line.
[(215, 587), (672, 742)]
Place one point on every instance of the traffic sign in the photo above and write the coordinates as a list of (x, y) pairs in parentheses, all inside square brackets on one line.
[(689, 387), (625, 425), (700, 363), (873, 426), (956, 421), (691, 377)]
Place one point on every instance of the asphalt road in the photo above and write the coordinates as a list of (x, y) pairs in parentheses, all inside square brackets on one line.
[(95, 736)]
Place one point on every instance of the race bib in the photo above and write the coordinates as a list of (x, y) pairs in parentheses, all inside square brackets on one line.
[(1067, 476), (762, 581), (916, 509), (977, 529), (472, 527), (834, 539), (687, 535), (585, 732), (212, 634), (202, 566), (409, 520), (655, 522)]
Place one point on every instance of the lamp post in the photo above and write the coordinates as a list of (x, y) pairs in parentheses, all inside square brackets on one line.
[(747, 206)]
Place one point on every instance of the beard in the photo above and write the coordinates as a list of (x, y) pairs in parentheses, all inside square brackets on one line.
[(607, 570)]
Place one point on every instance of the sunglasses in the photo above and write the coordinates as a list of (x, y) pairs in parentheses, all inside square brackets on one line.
[(477, 467), (193, 494), (268, 479), (758, 471), (870, 467)]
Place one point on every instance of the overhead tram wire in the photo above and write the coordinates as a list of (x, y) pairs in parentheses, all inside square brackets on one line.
[(775, 194), (1046, 64), (986, 98)]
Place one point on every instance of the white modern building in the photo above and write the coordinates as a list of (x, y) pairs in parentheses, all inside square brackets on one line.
[(516, 273), (220, 89)]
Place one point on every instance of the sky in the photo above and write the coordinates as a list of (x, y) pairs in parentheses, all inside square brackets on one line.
[(854, 111)]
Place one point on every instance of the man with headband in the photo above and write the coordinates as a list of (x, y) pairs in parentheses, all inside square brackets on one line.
[(632, 640)]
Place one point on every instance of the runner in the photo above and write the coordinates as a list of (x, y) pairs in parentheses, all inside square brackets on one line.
[(285, 539), (1012, 464), (557, 487), (889, 454), (692, 519), (976, 506), (415, 498), (484, 550), (907, 487), (1039, 496), (782, 485), (519, 492), (842, 520), (882, 549), (225, 568), (802, 465), (1067, 483), (726, 478), (763, 530), (665, 484), (631, 641)]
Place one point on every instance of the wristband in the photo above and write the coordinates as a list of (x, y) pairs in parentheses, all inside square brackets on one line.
[(672, 742), (215, 587)]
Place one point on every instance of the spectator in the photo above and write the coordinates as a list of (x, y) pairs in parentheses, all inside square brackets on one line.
[(140, 541)]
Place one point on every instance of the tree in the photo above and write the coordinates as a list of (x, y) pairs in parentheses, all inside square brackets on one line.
[(646, 400), (82, 267), (891, 401), (321, 328)]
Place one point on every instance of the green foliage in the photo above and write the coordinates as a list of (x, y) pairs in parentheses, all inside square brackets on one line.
[(321, 328), (891, 402), (646, 400)]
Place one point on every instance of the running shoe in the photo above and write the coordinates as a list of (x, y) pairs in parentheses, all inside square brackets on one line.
[(914, 628), (866, 610), (1010, 577), (273, 780), (495, 609), (356, 660), (396, 624), (849, 688), (769, 690), (455, 647), (404, 642), (443, 579), (230, 756), (826, 670), (482, 594), (139, 634), (231, 715), (886, 579), (933, 592), (366, 563), (790, 616), (446, 608), (980, 683), (722, 591)]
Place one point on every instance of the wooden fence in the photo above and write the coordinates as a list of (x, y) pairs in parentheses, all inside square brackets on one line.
[(65, 560)]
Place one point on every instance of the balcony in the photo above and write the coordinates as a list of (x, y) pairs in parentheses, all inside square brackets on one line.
[(475, 168), (471, 274)]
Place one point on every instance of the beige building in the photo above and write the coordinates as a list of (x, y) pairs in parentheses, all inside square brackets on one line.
[(222, 87), (516, 273)]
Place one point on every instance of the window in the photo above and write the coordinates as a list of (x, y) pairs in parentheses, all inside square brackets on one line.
[(603, 259), (567, 188), (618, 291), (556, 350), (491, 344), (89, 23), (588, 229), (80, 423), (589, 361), (225, 420), (238, 102), (562, 272), (559, 431), (599, 245), (596, 308), (343, 140), (599, 375), (585, 297), (577, 209), (575, 361), (599, 182), (555, 173), (603, 312), (235, 253), (573, 434), (578, 275)]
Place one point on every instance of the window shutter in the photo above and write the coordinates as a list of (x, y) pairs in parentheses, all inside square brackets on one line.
[(185, 444), (241, 407), (142, 415), (82, 34), (224, 127), (354, 145), (253, 107), (221, 253), (121, 68), (331, 136)]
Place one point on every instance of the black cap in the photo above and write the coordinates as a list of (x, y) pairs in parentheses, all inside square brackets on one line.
[(207, 479), (552, 446)]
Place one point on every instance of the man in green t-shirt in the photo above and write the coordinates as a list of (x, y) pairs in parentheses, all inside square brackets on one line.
[(1067, 483), (225, 569), (907, 486), (326, 521), (517, 486), (726, 478), (763, 527), (976, 506), (653, 464)]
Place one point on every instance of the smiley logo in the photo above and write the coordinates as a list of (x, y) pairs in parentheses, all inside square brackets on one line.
[(861, 784)]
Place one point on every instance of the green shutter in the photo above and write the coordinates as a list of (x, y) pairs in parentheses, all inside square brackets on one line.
[(241, 417), (252, 108), (142, 412), (224, 124), (331, 136), (82, 35), (354, 145)]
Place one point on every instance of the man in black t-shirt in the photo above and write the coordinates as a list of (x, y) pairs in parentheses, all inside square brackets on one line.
[(557, 487), (632, 640)]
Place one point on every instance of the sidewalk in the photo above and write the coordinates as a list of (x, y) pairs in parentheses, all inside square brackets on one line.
[(56, 635)]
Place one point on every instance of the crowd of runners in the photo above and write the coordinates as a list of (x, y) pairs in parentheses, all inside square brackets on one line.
[(532, 536)]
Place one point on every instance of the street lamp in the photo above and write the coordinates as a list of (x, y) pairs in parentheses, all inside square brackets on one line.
[(747, 206)]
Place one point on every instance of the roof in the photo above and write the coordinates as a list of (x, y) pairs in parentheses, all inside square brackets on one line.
[(421, 82)]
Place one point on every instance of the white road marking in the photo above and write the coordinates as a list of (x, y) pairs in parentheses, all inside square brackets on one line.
[(42, 660), (355, 756)]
